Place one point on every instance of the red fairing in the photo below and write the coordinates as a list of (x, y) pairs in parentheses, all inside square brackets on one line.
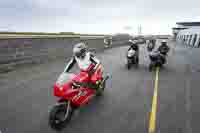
[(83, 96), (56, 90), (78, 96), (82, 77), (59, 91), (97, 75)]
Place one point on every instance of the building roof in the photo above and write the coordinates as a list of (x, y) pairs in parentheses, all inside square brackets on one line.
[(190, 31), (188, 23), (179, 28)]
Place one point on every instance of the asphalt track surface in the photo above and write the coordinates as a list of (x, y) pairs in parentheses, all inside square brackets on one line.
[(26, 95)]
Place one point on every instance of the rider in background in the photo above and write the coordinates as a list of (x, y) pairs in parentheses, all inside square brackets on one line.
[(163, 48), (151, 43), (134, 46), (108, 41)]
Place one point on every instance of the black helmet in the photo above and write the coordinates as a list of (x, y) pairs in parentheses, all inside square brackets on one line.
[(164, 42)]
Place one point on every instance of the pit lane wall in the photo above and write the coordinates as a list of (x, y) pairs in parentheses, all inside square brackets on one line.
[(15, 52)]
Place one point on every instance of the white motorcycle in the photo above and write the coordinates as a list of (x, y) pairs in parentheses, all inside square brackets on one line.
[(132, 58)]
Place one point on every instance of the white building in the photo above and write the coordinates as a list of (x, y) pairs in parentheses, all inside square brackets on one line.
[(187, 33)]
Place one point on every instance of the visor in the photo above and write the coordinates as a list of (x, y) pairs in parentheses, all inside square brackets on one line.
[(78, 54)]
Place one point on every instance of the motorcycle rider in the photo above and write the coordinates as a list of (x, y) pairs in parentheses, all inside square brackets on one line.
[(108, 41), (164, 48), (134, 46), (84, 59), (151, 44)]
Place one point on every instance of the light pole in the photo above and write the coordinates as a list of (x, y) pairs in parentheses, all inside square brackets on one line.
[(139, 30)]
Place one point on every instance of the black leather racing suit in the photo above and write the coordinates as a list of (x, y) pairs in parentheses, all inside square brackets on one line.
[(163, 49)]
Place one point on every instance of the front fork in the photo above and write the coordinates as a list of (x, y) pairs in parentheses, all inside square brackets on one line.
[(68, 109)]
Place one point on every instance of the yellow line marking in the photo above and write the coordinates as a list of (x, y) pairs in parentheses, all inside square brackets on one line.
[(152, 121)]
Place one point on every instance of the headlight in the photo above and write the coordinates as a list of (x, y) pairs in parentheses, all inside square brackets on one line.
[(131, 53), (61, 88)]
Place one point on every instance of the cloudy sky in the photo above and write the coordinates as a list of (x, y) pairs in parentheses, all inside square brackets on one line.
[(96, 16)]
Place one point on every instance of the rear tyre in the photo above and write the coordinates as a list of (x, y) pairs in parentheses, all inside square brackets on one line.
[(128, 66), (129, 62), (60, 115), (137, 63), (150, 67)]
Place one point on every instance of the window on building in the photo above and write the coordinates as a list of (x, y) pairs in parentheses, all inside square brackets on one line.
[(194, 40), (190, 39), (198, 42), (185, 38)]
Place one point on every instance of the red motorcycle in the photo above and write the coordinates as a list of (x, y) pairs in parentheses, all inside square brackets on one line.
[(74, 91)]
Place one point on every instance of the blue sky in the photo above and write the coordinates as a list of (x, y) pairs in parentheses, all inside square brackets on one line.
[(96, 16)]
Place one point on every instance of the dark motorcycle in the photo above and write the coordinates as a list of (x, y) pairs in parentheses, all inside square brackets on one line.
[(157, 60), (132, 59)]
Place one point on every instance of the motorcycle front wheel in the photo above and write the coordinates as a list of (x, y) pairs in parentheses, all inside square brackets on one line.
[(60, 115), (129, 62), (128, 66)]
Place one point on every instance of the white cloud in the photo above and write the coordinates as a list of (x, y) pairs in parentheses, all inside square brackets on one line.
[(95, 16)]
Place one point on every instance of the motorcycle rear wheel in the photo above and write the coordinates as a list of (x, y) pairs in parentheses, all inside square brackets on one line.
[(129, 63), (137, 62), (150, 67), (128, 66), (60, 115)]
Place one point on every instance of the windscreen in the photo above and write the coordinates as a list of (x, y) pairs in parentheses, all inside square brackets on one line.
[(64, 77)]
